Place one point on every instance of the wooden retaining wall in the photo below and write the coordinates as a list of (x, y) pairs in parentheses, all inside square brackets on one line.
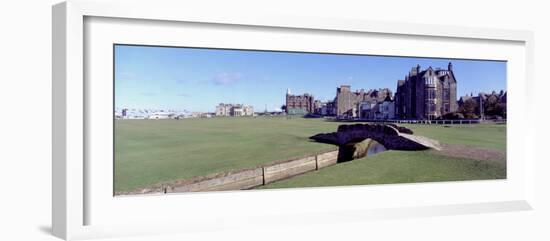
[(327, 159), (238, 180), (250, 178), (289, 169)]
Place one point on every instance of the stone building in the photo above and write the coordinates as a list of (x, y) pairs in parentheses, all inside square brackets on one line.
[(300, 104), (368, 109), (330, 108), (223, 109), (348, 102), (386, 110), (426, 94), (317, 106), (248, 110), (325, 108), (376, 110), (234, 110)]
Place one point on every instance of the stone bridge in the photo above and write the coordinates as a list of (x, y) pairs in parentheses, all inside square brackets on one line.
[(391, 136)]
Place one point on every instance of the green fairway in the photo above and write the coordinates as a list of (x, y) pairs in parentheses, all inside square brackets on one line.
[(397, 167), (491, 136), (149, 152), (417, 166)]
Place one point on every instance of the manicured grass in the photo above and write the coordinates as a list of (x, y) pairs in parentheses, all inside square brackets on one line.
[(490, 136), (154, 151), (149, 152), (397, 167)]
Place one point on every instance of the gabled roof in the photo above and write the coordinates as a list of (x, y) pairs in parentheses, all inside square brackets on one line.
[(400, 82), (388, 98), (427, 72)]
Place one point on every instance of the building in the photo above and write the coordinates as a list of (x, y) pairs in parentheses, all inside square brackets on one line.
[(234, 110), (300, 104), (386, 109), (368, 109), (223, 109), (330, 108), (348, 102), (318, 107), (492, 104), (325, 108), (161, 115), (426, 94), (377, 110), (237, 110), (248, 110)]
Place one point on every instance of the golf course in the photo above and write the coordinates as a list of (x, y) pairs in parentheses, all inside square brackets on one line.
[(152, 152)]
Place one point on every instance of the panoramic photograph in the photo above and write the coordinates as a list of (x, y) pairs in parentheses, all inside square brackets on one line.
[(204, 119)]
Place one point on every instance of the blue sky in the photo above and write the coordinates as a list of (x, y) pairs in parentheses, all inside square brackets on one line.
[(197, 79)]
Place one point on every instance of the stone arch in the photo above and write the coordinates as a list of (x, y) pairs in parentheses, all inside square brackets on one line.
[(391, 136)]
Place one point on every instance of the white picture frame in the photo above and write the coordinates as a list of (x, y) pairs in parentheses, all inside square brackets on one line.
[(73, 185)]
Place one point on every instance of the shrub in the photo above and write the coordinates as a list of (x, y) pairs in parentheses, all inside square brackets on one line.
[(453, 116)]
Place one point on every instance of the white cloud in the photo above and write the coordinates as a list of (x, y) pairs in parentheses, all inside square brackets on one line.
[(226, 78)]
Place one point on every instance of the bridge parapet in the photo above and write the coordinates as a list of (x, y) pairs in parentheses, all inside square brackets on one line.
[(391, 136)]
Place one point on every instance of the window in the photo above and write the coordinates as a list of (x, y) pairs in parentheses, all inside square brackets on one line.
[(429, 94), (430, 81)]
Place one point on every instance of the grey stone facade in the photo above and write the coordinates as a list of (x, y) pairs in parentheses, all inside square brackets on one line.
[(348, 102), (374, 110), (426, 94), (234, 110)]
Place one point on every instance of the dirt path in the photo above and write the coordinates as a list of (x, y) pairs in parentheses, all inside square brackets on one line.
[(473, 153)]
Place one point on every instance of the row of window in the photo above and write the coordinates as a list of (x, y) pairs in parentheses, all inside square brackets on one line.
[(431, 94), (431, 81), (432, 106)]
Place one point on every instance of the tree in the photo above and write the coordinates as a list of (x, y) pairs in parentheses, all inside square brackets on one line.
[(468, 109), (501, 110), (283, 108), (490, 105), (453, 116)]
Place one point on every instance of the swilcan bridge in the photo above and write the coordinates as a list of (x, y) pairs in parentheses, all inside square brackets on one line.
[(391, 136)]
